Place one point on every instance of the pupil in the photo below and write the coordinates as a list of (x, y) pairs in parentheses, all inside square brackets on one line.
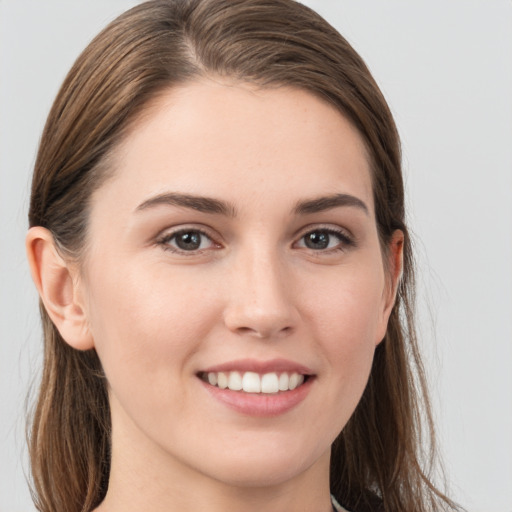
[(189, 241), (317, 240)]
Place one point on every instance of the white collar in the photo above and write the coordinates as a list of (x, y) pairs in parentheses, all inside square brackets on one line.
[(337, 506)]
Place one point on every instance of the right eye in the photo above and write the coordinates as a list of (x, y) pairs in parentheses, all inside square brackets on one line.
[(186, 240)]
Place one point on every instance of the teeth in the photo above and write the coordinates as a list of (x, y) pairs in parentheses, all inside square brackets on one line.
[(235, 381), (284, 379), (222, 380), (295, 380), (251, 382), (269, 383)]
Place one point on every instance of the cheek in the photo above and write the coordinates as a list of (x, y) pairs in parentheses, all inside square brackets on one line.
[(348, 318), (146, 334), (143, 324), (348, 307)]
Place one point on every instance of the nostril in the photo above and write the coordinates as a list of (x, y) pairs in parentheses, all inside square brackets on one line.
[(243, 330), (265, 332)]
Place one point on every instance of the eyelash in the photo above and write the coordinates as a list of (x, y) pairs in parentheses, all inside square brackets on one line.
[(346, 241)]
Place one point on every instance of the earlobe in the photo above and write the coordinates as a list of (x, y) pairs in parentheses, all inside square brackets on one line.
[(57, 283)]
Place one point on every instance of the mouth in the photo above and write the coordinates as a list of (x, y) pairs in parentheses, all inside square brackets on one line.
[(258, 388), (270, 383)]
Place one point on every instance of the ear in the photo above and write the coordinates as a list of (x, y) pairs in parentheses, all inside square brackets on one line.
[(393, 269), (57, 282)]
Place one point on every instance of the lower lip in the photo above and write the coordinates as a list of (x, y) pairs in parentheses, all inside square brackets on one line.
[(260, 404)]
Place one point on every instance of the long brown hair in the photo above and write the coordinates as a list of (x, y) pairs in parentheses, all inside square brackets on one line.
[(380, 456)]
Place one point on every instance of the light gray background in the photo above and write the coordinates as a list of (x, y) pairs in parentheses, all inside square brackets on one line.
[(446, 68)]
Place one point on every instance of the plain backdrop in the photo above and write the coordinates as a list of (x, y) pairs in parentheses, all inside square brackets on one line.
[(445, 67)]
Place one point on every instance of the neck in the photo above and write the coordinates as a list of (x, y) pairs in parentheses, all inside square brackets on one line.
[(158, 494), (145, 477)]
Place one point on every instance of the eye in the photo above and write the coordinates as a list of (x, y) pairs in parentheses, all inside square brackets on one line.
[(186, 240), (325, 240)]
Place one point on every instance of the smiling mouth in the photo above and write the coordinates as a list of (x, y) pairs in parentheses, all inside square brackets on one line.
[(251, 382)]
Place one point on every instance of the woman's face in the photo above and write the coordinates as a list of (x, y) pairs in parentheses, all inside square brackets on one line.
[(235, 245)]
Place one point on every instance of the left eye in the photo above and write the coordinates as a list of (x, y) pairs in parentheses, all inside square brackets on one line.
[(187, 241), (322, 239)]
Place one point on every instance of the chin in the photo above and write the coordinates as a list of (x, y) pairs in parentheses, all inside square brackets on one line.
[(266, 467)]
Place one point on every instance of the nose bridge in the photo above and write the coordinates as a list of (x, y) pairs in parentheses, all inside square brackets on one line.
[(260, 302)]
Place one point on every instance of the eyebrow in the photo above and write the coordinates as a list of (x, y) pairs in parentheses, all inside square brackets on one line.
[(324, 203), (198, 203), (217, 206)]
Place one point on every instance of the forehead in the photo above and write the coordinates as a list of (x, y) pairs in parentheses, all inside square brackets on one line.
[(240, 142)]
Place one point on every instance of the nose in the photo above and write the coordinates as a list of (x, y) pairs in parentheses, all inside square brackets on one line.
[(260, 297)]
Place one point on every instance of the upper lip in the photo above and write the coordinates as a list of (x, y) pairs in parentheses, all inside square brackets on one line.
[(258, 366)]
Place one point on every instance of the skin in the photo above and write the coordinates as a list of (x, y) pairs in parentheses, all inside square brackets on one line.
[(254, 289)]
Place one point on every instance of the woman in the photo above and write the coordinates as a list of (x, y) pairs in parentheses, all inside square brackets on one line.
[(218, 239)]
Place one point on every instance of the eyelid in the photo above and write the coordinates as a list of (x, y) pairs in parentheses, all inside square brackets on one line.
[(336, 228)]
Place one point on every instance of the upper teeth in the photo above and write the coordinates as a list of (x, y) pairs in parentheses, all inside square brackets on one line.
[(252, 382)]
